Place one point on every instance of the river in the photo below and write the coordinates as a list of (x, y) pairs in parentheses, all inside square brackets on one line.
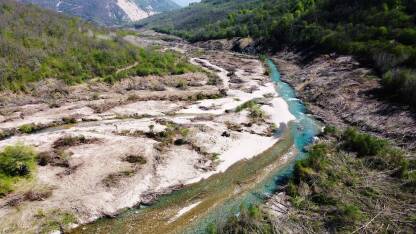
[(192, 209)]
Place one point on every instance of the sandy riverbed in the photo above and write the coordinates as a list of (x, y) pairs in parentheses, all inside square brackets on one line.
[(117, 119)]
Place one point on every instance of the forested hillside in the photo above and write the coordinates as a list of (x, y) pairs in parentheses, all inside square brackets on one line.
[(379, 32), (193, 20), (36, 44)]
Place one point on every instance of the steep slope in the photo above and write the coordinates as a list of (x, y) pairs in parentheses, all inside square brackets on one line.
[(36, 44), (108, 12)]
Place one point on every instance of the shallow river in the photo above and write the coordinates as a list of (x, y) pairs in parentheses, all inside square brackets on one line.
[(214, 199)]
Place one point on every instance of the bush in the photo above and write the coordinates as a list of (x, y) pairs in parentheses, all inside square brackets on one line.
[(250, 220), (245, 105), (401, 83), (135, 159), (330, 130), (347, 214), (27, 128), (363, 144), (309, 167), (15, 162), (68, 141)]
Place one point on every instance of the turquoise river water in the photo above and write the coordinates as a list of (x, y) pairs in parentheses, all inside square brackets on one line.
[(247, 182)]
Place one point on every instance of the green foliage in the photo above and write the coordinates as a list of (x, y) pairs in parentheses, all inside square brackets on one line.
[(250, 220), (36, 44), (401, 83), (55, 219), (336, 191), (16, 162), (307, 169), (27, 128), (363, 144), (135, 159), (256, 113), (330, 130), (212, 229), (346, 214)]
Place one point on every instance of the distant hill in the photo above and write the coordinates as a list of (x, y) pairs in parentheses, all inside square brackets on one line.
[(108, 12)]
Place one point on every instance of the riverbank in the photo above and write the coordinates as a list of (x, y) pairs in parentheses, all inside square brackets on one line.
[(341, 92), (194, 208)]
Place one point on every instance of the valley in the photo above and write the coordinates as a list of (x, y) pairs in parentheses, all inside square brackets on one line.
[(246, 116)]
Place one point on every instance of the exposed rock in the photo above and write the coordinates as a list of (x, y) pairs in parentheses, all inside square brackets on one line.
[(226, 134)]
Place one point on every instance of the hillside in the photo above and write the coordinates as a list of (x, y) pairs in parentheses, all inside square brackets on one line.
[(37, 44), (379, 33), (108, 12), (196, 17)]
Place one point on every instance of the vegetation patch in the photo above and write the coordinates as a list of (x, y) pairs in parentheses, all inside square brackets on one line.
[(256, 113), (352, 182), (59, 156), (68, 141), (135, 159), (17, 162), (114, 179), (54, 220), (4, 133), (336, 189), (250, 219), (28, 128), (38, 44)]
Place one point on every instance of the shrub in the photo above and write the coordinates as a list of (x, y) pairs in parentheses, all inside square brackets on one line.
[(15, 162), (113, 179), (250, 220), (136, 159), (69, 120), (182, 84), (256, 112), (27, 128), (67, 141), (402, 83), (330, 130), (363, 144), (248, 104), (307, 168)]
